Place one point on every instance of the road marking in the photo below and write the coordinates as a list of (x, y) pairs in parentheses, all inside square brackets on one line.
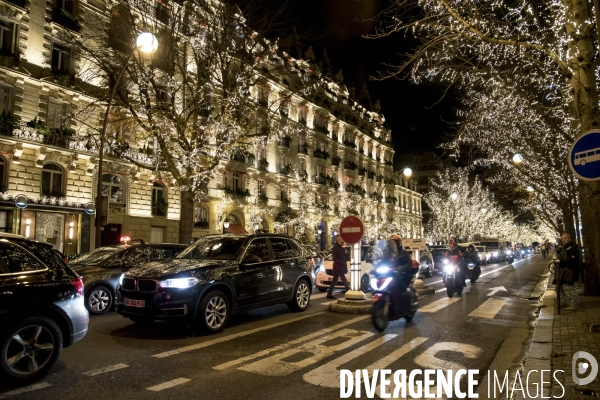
[(231, 337), (489, 309), (25, 389), (105, 369), (496, 290), (439, 304), (288, 344), (487, 273), (428, 359), (328, 375), (314, 352), (168, 385), (441, 290)]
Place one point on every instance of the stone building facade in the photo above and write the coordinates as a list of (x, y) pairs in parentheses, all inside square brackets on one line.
[(340, 151)]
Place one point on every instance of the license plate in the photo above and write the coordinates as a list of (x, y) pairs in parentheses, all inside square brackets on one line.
[(135, 303)]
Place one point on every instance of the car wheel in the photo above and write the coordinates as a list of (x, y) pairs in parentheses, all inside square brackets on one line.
[(141, 319), (301, 297), (99, 300), (213, 312), (365, 286), (30, 349), (322, 289)]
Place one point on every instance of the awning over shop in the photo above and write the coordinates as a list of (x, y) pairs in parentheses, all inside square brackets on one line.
[(236, 229)]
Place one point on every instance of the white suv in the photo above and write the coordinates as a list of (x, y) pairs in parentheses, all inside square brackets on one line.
[(370, 256)]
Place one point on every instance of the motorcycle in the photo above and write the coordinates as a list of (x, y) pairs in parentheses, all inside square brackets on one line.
[(510, 258), (473, 272), (388, 303), (452, 277)]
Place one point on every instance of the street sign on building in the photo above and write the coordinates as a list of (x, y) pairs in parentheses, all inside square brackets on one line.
[(584, 156), (351, 229)]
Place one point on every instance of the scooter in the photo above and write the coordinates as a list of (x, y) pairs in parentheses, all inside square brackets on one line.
[(452, 277), (510, 258), (473, 272), (388, 303)]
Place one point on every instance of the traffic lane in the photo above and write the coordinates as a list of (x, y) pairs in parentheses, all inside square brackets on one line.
[(450, 324)]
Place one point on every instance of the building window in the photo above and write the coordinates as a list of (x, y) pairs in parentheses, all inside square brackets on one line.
[(7, 37), (283, 193), (236, 183), (159, 199), (57, 114), (113, 186), (302, 114), (62, 59), (225, 179), (262, 187), (52, 181), (263, 96), (162, 11), (5, 100)]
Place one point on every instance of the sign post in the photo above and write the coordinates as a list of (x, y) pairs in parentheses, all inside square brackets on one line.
[(352, 230), (584, 156)]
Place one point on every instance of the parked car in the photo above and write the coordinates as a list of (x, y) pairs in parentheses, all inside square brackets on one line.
[(437, 256), (426, 263), (316, 255), (370, 256), (41, 308), (484, 256), (102, 267), (216, 276)]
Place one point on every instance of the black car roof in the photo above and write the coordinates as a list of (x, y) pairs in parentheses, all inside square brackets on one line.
[(13, 237)]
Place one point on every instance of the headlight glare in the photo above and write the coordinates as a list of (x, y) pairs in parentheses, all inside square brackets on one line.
[(449, 269), (121, 279), (179, 283), (382, 270), (321, 268)]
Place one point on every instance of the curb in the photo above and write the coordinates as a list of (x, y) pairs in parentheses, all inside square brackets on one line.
[(343, 306), (539, 352)]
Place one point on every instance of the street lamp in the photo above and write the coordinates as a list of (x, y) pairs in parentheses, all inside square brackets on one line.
[(454, 196), (407, 172), (517, 158), (530, 188), (145, 43)]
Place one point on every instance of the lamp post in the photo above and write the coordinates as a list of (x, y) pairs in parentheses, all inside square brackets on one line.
[(145, 43)]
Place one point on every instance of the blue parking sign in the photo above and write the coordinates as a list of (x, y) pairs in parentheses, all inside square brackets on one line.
[(584, 156)]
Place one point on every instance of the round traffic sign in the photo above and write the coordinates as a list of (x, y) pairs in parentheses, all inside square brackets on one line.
[(584, 156), (351, 229)]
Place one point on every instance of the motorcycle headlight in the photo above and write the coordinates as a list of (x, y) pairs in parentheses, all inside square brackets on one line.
[(495, 254), (121, 279), (382, 270), (374, 283), (179, 283), (508, 252), (446, 261), (449, 269)]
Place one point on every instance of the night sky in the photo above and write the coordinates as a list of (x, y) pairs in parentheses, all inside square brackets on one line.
[(417, 119)]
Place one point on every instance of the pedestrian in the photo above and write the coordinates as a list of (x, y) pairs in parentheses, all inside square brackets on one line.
[(340, 268), (569, 268), (544, 250)]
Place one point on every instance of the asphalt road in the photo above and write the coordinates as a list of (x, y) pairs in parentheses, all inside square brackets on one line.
[(272, 353)]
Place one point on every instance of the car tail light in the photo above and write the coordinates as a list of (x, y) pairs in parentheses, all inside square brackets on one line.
[(78, 285)]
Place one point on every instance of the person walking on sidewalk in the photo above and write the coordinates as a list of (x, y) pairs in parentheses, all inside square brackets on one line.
[(339, 266), (569, 262), (544, 250)]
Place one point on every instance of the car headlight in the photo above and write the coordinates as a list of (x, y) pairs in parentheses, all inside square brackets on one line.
[(121, 279), (508, 252), (179, 283), (382, 270), (449, 269), (446, 261), (495, 254), (321, 268)]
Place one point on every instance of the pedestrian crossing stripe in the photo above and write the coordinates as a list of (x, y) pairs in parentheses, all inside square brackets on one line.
[(438, 305)]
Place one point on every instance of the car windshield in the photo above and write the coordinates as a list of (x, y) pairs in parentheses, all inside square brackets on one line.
[(224, 248), (96, 257)]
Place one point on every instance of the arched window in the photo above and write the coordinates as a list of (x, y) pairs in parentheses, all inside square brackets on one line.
[(52, 181), (113, 186), (159, 199)]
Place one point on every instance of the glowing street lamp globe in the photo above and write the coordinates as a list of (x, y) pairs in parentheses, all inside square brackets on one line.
[(517, 158), (407, 172), (146, 42), (454, 196), (529, 188)]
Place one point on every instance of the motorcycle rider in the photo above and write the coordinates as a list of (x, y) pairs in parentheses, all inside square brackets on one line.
[(456, 255), (471, 255), (402, 264)]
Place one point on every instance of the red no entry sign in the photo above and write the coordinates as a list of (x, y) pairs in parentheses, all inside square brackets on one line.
[(351, 229)]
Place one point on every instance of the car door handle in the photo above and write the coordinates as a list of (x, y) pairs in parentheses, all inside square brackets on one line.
[(6, 293)]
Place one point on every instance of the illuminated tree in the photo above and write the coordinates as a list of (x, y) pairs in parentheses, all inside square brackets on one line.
[(534, 47)]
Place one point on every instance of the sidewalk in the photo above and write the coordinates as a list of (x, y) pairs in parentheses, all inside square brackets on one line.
[(557, 337)]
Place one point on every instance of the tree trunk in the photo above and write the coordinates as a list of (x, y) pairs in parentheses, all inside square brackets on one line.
[(186, 217), (568, 218), (584, 94)]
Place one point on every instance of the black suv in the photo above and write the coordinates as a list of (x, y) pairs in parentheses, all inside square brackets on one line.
[(101, 269), (218, 275), (41, 308)]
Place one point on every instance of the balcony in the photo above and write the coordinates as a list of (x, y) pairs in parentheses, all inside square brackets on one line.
[(391, 200), (237, 192), (201, 225), (286, 170), (362, 172), (285, 141), (350, 188), (263, 164), (321, 129), (302, 121), (335, 162), (321, 154), (65, 19), (350, 165), (350, 144)]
